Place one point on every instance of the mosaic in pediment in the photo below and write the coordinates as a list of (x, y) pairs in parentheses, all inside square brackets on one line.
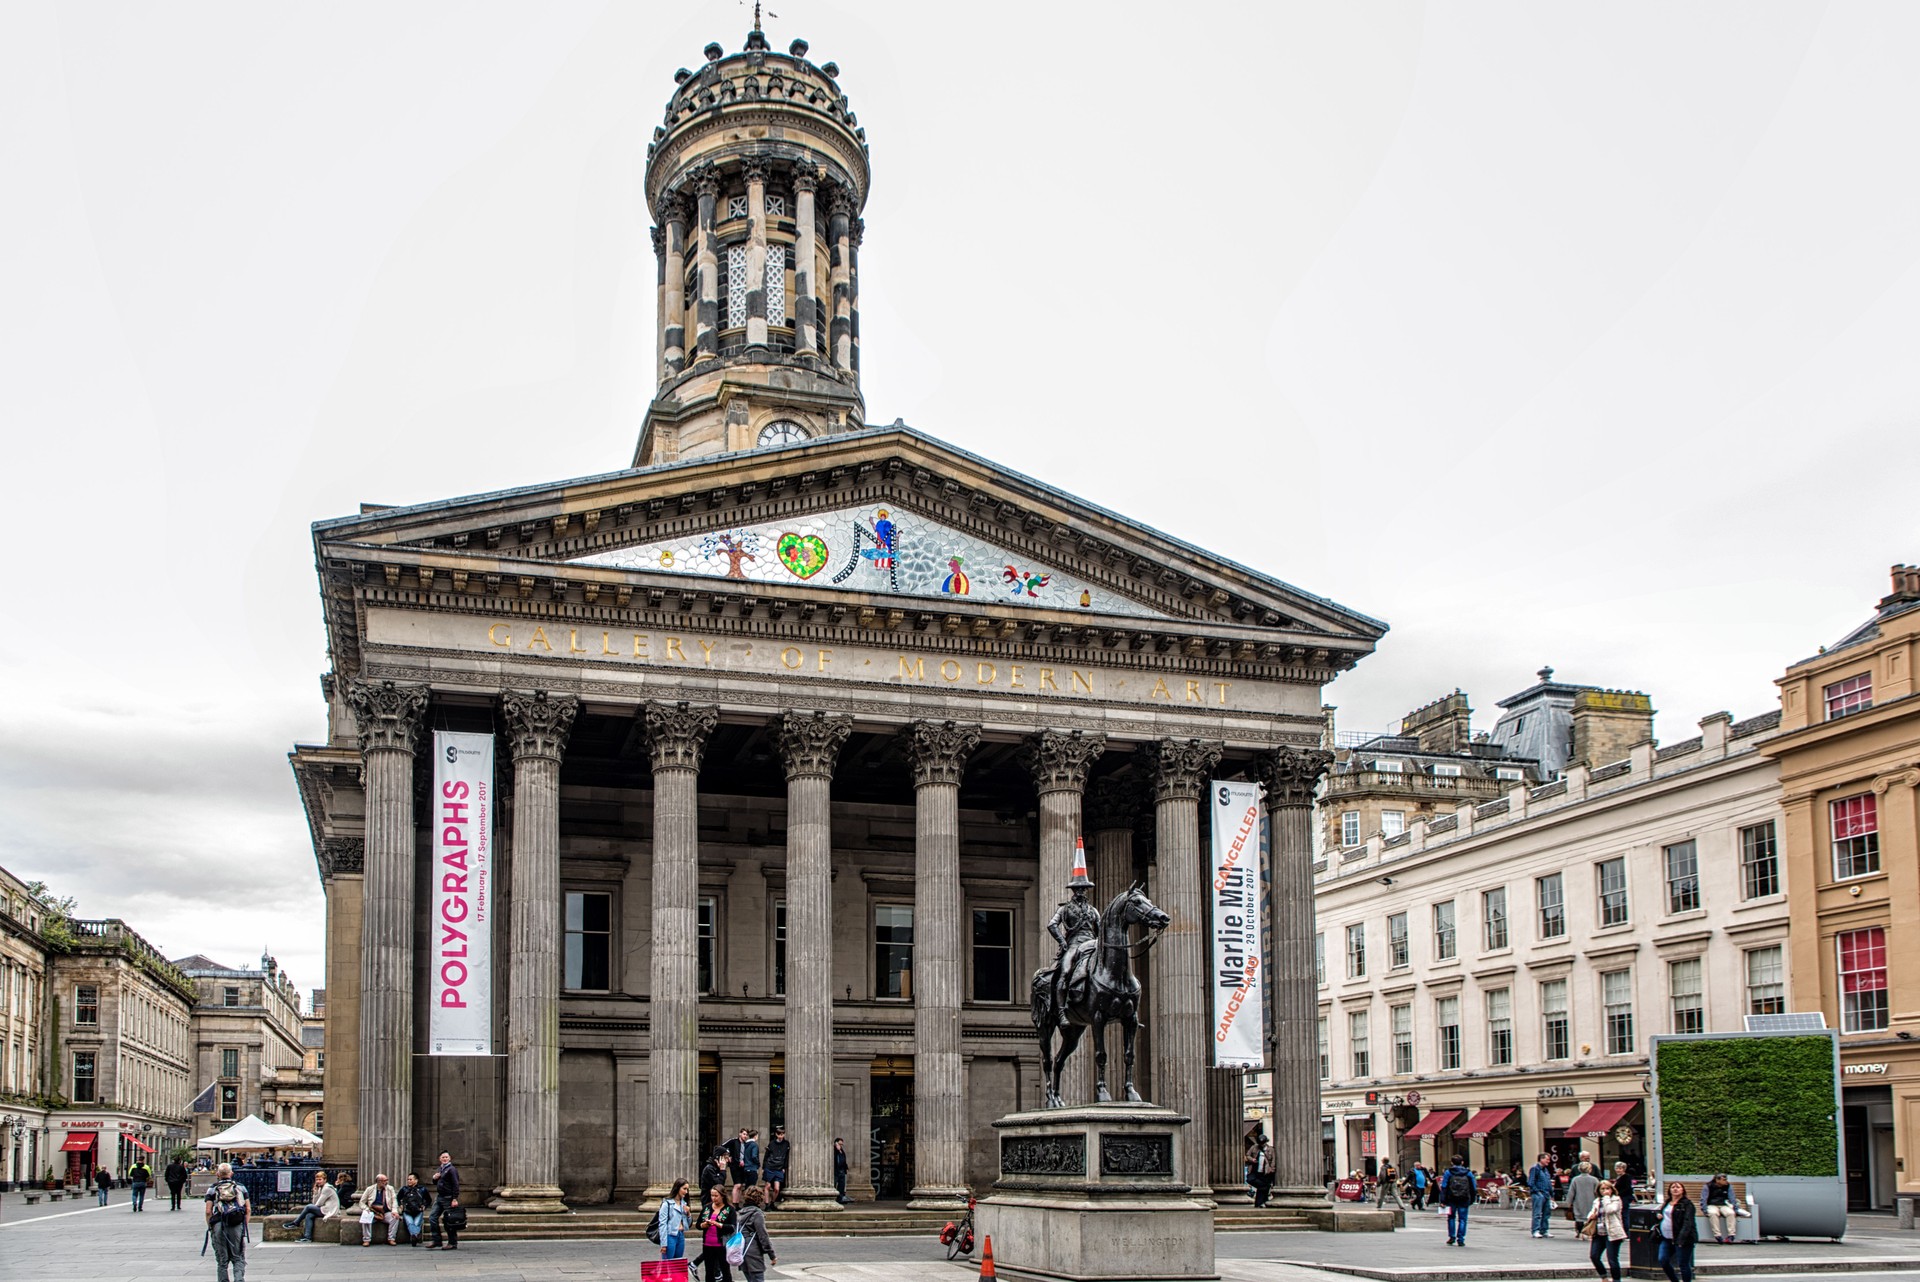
[(873, 549)]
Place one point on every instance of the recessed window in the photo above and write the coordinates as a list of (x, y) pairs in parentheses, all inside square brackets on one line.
[(707, 926), (1512, 774), (1350, 827), (1683, 877), (1616, 993), (1446, 942), (229, 1062), (1683, 987), (589, 941), (1357, 951), (776, 206), (1855, 694), (1445, 770), (83, 1080), (736, 207), (229, 1103), (780, 948), (86, 1004), (1551, 893), (1556, 1026), (1759, 862), (992, 955), (1357, 1043), (1402, 1020), (230, 997), (1856, 835), (1766, 981), (777, 284), (1500, 1027), (1320, 958), (1397, 950), (1863, 979), (735, 303), (893, 950), (1388, 766), (1393, 823), (1446, 1017), (1493, 909), (1326, 1059), (1611, 879)]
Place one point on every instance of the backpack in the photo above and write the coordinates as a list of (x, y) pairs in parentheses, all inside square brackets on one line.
[(229, 1204), (1459, 1187), (653, 1225), (736, 1249), (1264, 1162)]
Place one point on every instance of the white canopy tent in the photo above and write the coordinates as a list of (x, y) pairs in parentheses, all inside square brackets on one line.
[(297, 1137), (251, 1132)]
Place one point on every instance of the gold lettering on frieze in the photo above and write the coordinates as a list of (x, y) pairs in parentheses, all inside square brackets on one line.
[(540, 639), (494, 635), (791, 659), (1160, 690), (949, 670), (984, 675), (706, 653), (674, 651), (912, 669), (573, 642)]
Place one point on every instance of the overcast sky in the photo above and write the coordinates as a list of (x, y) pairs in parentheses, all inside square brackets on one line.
[(1570, 334)]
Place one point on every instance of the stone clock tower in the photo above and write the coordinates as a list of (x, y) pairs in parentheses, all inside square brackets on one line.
[(755, 179)]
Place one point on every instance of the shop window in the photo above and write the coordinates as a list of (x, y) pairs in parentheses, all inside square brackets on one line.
[(1611, 876), (1397, 950), (706, 928), (780, 948), (1326, 1058), (1683, 988), (1551, 893), (86, 1004), (1683, 877), (1357, 1043), (1855, 694), (83, 1079), (992, 955), (589, 941), (1556, 1025), (1766, 981), (1402, 1020), (229, 1062), (893, 950), (1493, 910), (1863, 979), (1616, 992), (1759, 862), (1856, 836), (1446, 941), (1357, 951), (1500, 1027)]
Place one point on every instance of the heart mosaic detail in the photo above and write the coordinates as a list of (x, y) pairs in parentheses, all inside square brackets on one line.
[(805, 555)]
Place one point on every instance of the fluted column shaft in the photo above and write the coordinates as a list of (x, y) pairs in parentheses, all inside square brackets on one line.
[(1182, 1045), (809, 745), (806, 289), (938, 751), (1290, 776), (676, 738), (756, 253), (389, 718), (537, 725), (1226, 1128), (1059, 763), (673, 328)]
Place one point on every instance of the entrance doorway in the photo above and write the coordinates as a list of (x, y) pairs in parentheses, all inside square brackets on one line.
[(709, 1104), (1867, 1132), (891, 1133)]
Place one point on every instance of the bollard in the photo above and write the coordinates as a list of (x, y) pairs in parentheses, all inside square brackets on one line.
[(1904, 1204)]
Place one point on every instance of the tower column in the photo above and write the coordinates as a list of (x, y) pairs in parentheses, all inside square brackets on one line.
[(856, 232), (706, 328), (676, 738), (1290, 776), (673, 328), (538, 725), (806, 318), (840, 262), (756, 171), (659, 237), (809, 745), (1179, 965), (388, 717), (1059, 762)]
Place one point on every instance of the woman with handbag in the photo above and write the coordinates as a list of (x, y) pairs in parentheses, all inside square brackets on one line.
[(716, 1226), (1606, 1226)]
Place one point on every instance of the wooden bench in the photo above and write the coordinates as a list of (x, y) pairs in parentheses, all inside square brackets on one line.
[(1746, 1229)]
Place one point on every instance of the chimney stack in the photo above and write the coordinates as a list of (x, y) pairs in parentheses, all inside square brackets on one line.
[(1608, 725), (1906, 586)]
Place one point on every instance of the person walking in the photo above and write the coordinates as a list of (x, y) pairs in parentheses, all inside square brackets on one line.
[(753, 1227), (323, 1204), (413, 1207), (1722, 1213), (139, 1175), (102, 1181), (379, 1205), (1263, 1163), (1458, 1189), (446, 1196), (773, 1170), (840, 1169), (1389, 1184), (674, 1220), (228, 1213), (716, 1226), (1540, 1193), (176, 1178), (1419, 1187), (1581, 1190), (1608, 1218), (1679, 1233)]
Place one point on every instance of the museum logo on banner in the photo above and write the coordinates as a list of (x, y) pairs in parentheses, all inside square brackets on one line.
[(461, 1019)]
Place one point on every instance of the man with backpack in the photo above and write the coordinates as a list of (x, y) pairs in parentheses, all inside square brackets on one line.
[(1263, 1165), (227, 1216), (1458, 1190)]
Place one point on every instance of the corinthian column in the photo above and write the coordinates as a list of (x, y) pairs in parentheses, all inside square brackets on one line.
[(809, 745), (388, 717), (756, 172), (938, 752), (1180, 1043), (537, 729), (676, 736), (806, 285), (840, 268), (1059, 762), (706, 320), (1290, 776), (673, 327)]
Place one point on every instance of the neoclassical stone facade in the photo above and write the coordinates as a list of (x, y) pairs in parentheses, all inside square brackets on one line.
[(797, 729)]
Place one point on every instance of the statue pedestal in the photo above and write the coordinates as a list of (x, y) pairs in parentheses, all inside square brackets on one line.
[(1095, 1192)]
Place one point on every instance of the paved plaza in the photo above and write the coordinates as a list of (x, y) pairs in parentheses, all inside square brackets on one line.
[(62, 1241)]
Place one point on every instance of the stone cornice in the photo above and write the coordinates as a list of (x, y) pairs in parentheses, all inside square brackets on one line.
[(938, 750), (538, 723), (1059, 761), (677, 734), (810, 743), (388, 715)]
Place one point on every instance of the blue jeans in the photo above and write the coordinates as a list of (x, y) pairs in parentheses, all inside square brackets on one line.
[(102, 1190), (1457, 1223), (413, 1223), (305, 1222), (139, 1195), (1540, 1204), (1675, 1256), (673, 1246)]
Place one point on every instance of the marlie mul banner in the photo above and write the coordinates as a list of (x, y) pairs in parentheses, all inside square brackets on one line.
[(461, 1022), (1237, 1018)]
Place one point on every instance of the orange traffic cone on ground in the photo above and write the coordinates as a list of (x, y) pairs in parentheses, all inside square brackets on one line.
[(986, 1259)]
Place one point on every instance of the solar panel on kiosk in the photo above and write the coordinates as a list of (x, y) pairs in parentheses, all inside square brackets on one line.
[(1791, 1022)]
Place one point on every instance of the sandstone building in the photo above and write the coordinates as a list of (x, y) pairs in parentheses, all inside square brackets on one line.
[(25, 1084), (247, 1043), (798, 720)]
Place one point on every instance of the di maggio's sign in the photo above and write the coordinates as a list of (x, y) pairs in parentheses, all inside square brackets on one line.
[(461, 1022)]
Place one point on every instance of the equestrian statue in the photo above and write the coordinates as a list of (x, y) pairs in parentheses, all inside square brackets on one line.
[(1091, 983)]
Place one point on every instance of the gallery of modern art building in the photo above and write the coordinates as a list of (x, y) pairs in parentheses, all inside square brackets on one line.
[(793, 726)]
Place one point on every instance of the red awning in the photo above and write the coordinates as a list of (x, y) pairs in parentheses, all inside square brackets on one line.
[(1601, 1118), (136, 1143), (1485, 1122), (78, 1142), (1433, 1123)]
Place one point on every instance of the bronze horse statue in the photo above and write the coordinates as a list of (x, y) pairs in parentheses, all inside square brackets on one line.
[(1100, 989)]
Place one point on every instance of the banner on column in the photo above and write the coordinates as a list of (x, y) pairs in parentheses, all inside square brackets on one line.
[(461, 1022), (1236, 925)]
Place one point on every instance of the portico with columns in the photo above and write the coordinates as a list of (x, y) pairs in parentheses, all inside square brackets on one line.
[(796, 734)]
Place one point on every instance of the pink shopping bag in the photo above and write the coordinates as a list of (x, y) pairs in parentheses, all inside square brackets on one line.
[(663, 1271)]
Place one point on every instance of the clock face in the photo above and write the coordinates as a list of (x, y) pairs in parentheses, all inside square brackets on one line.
[(783, 431)]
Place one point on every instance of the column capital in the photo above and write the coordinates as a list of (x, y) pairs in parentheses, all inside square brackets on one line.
[(1059, 761), (1291, 774), (810, 743), (939, 750), (705, 180), (388, 715), (673, 208), (1113, 803), (856, 231), (805, 178), (840, 199), (677, 734), (1180, 767), (538, 723), (659, 237), (757, 169)]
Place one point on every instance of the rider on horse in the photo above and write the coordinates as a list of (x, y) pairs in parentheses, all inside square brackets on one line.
[(1074, 922)]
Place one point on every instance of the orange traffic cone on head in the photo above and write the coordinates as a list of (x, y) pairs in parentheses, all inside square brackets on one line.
[(986, 1258), (1079, 877)]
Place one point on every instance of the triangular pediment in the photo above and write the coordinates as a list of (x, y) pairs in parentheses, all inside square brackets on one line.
[(872, 548)]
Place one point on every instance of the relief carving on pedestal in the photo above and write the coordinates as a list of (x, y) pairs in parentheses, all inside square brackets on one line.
[(1043, 1155), (1136, 1155)]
